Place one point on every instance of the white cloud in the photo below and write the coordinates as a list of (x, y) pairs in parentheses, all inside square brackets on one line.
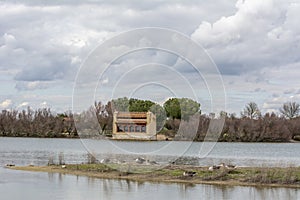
[(6, 104), (251, 19), (274, 104), (23, 104), (260, 34), (105, 81), (254, 43), (32, 85), (256, 47), (44, 104)]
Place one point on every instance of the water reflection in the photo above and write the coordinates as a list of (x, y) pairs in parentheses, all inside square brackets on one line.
[(134, 190), (276, 193), (17, 185)]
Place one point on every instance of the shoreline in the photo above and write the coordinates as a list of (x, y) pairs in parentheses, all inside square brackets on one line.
[(170, 140), (246, 176)]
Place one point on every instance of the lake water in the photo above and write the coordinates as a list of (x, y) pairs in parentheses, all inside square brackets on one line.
[(15, 185), (24, 151)]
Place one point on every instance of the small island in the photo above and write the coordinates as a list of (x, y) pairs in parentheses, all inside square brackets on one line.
[(186, 174)]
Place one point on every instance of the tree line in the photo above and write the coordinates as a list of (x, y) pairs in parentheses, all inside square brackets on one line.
[(251, 126), (36, 123)]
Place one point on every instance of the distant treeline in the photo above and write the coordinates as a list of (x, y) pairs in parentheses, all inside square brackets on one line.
[(252, 126), (36, 123)]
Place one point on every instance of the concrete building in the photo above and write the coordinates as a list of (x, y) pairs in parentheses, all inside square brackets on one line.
[(134, 126)]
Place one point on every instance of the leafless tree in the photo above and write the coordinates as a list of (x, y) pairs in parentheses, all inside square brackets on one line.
[(251, 111), (290, 110)]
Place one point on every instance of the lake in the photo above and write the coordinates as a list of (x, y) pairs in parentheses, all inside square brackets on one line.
[(15, 185)]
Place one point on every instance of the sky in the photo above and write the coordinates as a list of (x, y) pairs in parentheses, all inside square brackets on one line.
[(45, 47)]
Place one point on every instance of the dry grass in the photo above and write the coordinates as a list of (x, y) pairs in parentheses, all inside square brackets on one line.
[(282, 177)]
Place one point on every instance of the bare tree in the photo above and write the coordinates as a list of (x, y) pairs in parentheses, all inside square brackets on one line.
[(290, 110), (251, 111)]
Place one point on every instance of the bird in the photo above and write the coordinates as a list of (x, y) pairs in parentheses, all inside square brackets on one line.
[(214, 167), (140, 160), (105, 160), (189, 173), (221, 166), (151, 162), (231, 166), (121, 161)]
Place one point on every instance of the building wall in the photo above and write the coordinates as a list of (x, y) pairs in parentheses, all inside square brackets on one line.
[(149, 122)]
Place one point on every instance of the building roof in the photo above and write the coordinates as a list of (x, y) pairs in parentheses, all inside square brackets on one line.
[(132, 115), (131, 121)]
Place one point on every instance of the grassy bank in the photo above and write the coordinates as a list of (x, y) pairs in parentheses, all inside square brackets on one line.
[(246, 176)]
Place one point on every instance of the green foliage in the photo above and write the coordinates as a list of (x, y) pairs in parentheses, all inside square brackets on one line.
[(138, 105), (132, 105), (172, 108), (120, 104), (189, 107), (181, 108)]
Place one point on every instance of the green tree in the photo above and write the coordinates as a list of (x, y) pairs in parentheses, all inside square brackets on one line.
[(132, 105), (189, 107), (120, 104), (138, 105), (181, 108), (172, 108)]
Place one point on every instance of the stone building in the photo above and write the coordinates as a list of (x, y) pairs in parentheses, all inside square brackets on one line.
[(134, 126)]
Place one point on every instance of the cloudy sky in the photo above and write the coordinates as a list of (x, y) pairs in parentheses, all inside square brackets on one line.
[(255, 45)]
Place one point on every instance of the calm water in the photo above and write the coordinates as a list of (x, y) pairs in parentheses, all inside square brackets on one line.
[(15, 185), (24, 151)]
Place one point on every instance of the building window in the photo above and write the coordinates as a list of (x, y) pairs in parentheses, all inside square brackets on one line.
[(120, 128), (138, 129), (131, 129), (126, 128), (143, 129)]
